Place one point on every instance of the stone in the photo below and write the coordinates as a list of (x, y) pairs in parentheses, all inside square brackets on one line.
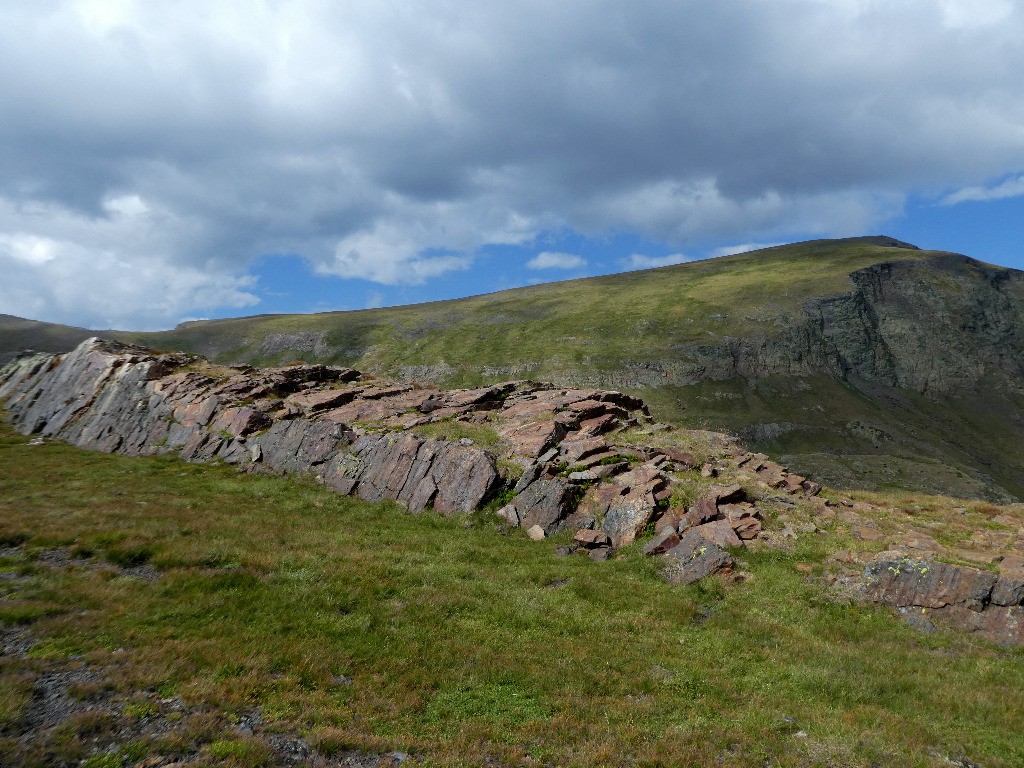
[(663, 541), (628, 515), (965, 598), (1008, 591), (694, 558), (600, 553), (811, 488), (596, 473), (720, 533), (922, 542), (682, 459), (545, 503), (590, 539), (311, 402), (535, 532), (747, 528), (533, 438), (794, 483), (903, 581), (598, 425), (703, 510), (866, 532)]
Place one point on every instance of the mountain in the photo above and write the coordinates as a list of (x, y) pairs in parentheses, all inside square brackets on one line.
[(17, 333), (866, 362)]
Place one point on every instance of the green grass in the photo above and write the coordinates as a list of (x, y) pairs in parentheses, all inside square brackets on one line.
[(360, 626)]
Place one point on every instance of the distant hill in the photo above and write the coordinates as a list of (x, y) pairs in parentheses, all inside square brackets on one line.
[(866, 362), (17, 333)]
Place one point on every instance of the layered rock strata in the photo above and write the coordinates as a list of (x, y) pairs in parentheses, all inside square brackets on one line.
[(968, 599), (558, 458)]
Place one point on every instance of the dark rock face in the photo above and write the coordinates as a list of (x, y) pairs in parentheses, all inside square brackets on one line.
[(967, 599)]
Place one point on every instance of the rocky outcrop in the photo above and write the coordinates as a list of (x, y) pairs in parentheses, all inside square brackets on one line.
[(968, 599), (560, 458)]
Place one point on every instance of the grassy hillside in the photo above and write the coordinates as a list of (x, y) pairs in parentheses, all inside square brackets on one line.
[(578, 328), (17, 333), (154, 611), (739, 343)]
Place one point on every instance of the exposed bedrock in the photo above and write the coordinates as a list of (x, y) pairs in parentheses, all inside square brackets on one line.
[(558, 458), (968, 599)]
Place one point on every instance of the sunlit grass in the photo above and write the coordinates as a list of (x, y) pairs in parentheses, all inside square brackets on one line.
[(361, 626)]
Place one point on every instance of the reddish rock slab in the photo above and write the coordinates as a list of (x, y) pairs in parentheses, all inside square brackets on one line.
[(664, 540), (682, 459), (720, 533), (575, 451), (590, 539), (598, 425), (321, 400), (533, 438)]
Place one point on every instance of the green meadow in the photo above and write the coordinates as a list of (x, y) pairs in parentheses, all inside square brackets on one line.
[(360, 627)]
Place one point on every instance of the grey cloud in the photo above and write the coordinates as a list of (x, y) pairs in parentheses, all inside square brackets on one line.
[(362, 135)]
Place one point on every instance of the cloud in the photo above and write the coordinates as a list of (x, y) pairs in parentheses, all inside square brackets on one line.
[(117, 270), (390, 141), (639, 261), (1010, 188), (556, 260)]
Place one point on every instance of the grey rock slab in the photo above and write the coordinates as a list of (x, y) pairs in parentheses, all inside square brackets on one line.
[(693, 559)]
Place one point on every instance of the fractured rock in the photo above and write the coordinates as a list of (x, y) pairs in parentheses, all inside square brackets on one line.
[(693, 559), (664, 540), (545, 503), (589, 539), (720, 533)]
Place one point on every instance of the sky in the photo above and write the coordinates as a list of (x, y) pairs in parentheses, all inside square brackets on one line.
[(166, 161)]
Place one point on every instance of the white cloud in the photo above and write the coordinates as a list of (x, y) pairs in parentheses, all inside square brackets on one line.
[(1010, 188), (556, 260), (640, 261), (110, 271), (390, 141)]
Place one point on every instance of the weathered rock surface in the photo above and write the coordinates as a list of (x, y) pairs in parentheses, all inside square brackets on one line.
[(965, 598), (693, 558)]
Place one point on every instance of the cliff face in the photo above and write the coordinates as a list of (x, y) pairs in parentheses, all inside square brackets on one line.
[(942, 325)]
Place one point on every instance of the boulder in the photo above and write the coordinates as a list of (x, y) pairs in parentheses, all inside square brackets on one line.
[(628, 515), (545, 503), (682, 459), (720, 533), (903, 581), (693, 558), (664, 540), (590, 539), (965, 598)]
